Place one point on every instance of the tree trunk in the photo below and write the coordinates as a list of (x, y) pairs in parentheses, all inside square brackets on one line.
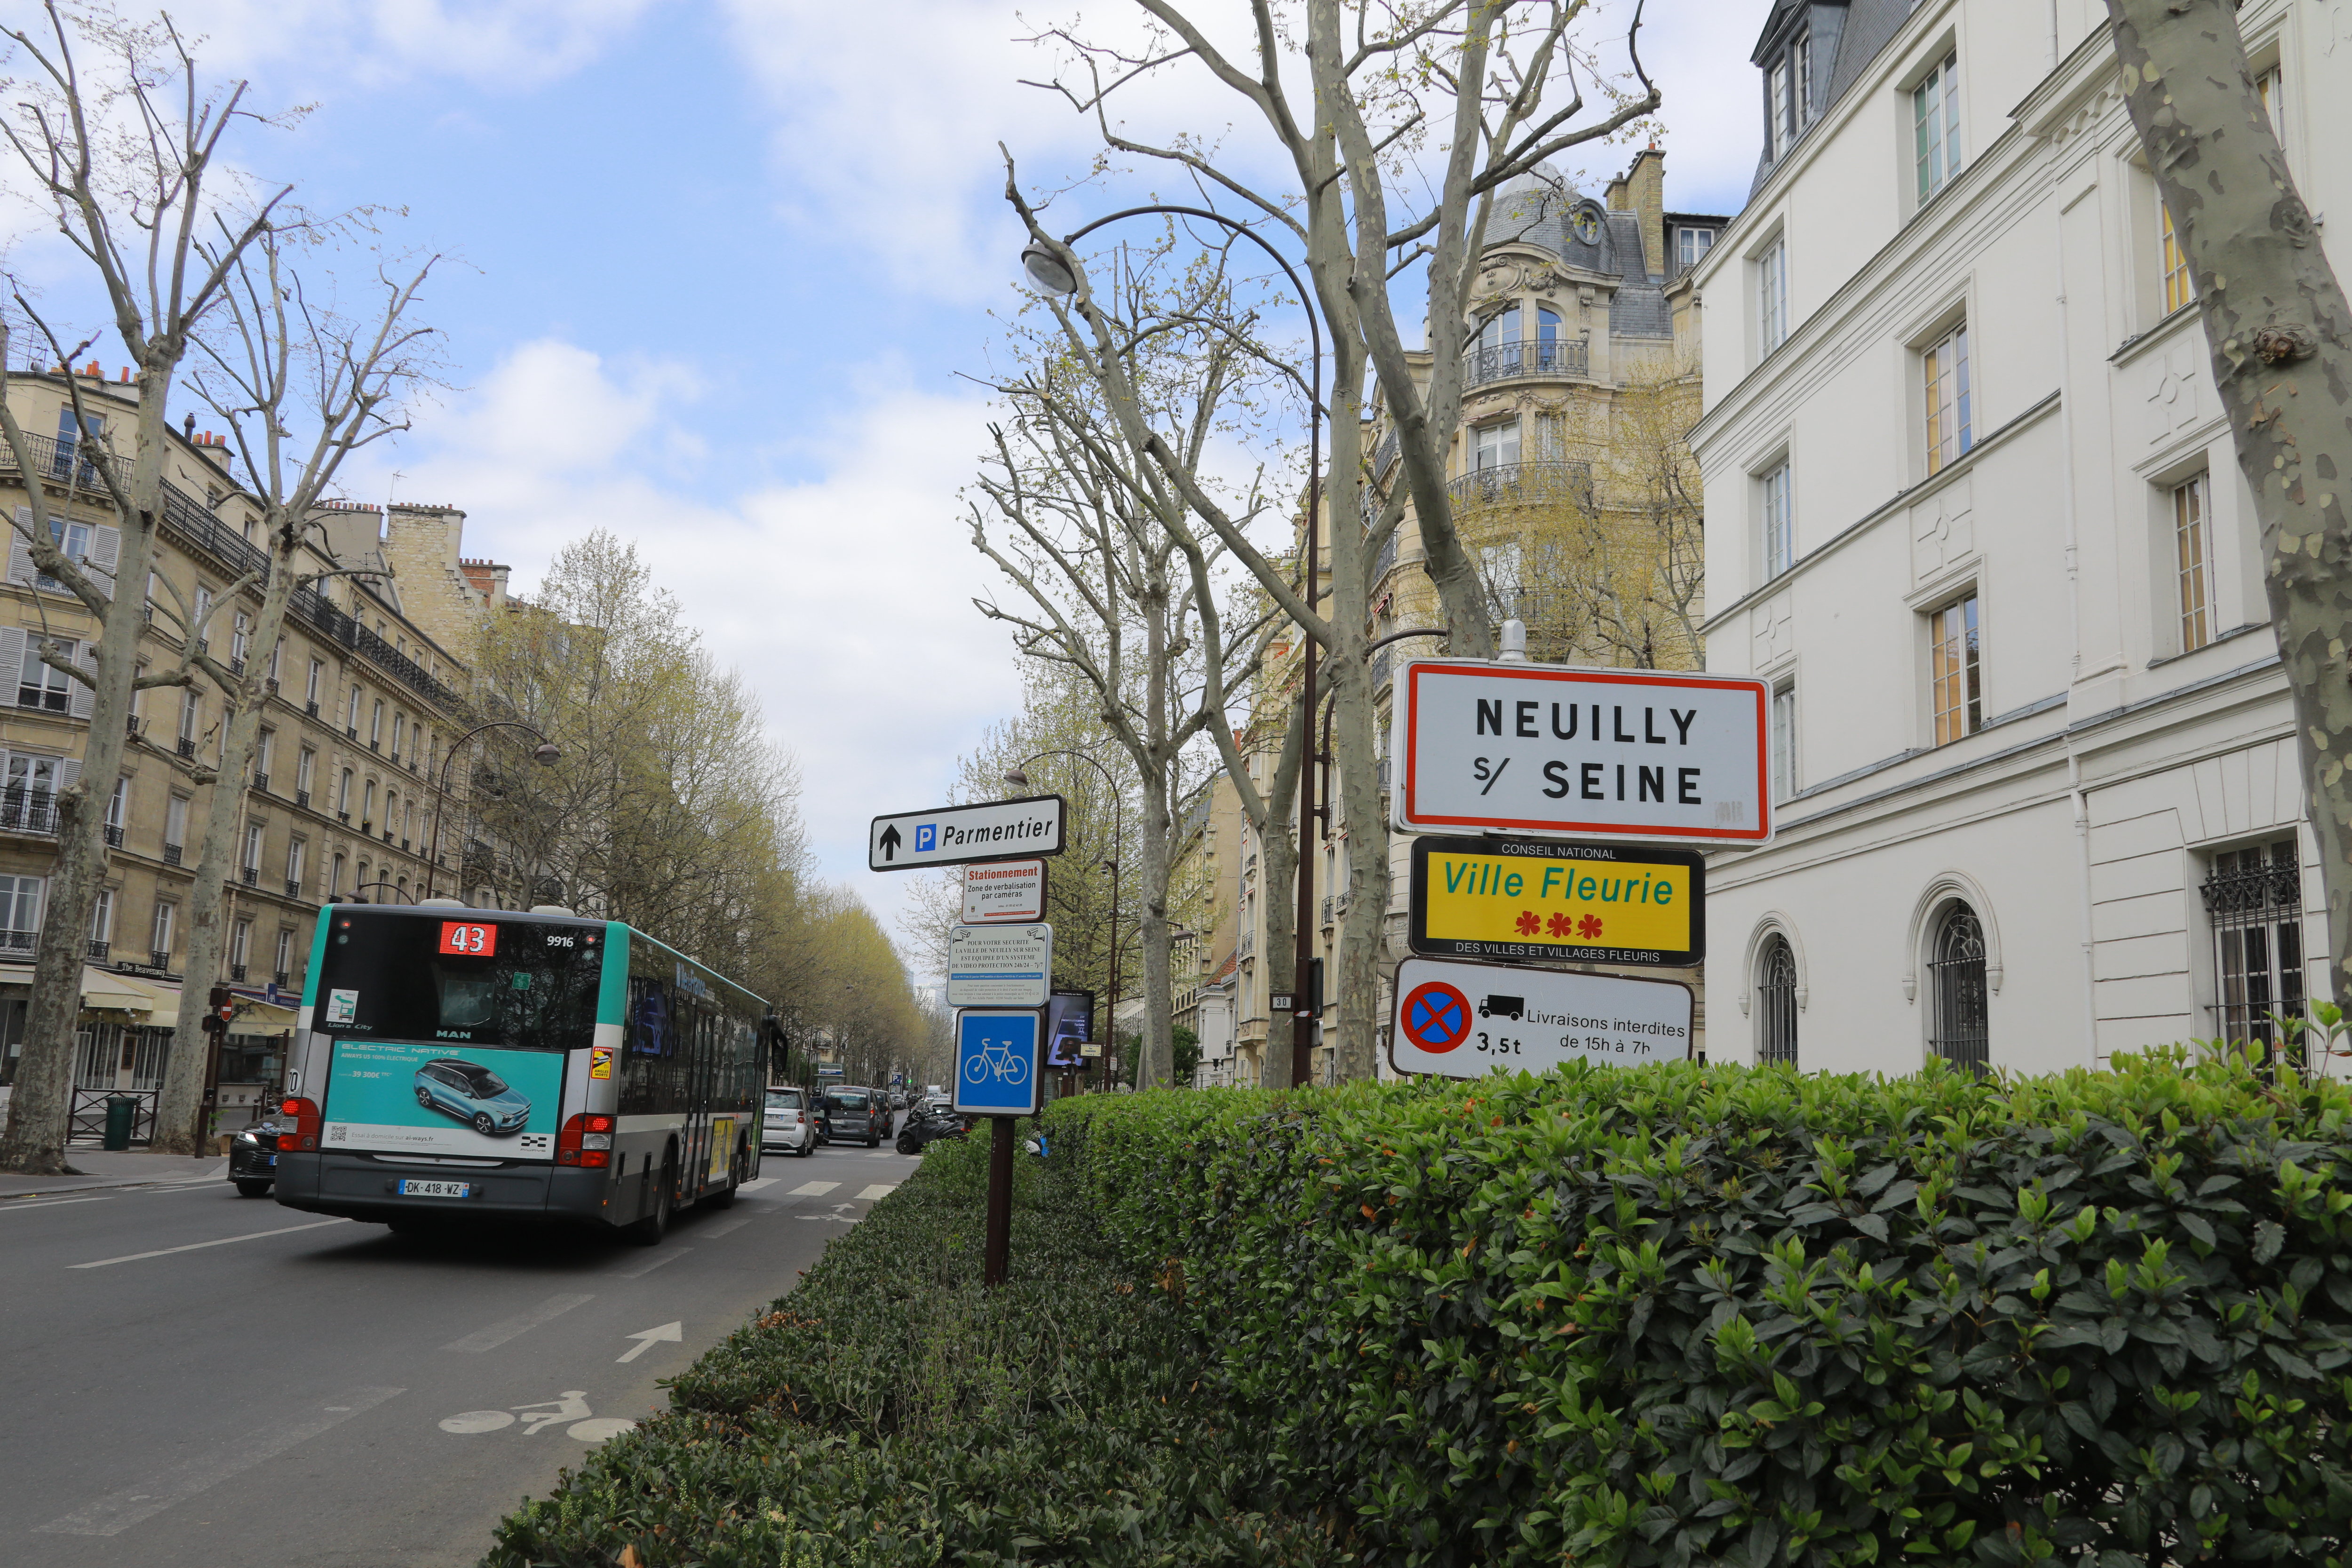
[(1155, 1048), (2281, 339), (41, 1105)]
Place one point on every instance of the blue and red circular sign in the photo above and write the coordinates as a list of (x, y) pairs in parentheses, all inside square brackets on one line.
[(1436, 1016)]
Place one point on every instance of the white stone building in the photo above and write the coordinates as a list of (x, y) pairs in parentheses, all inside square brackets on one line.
[(1976, 513)]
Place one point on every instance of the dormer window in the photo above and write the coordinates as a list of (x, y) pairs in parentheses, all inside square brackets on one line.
[(1690, 244), (1788, 96)]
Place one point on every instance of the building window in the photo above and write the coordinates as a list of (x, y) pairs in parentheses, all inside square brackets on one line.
[(375, 724), (334, 879), (31, 791), (72, 540), (2193, 559), (294, 853), (252, 861), (43, 686), (101, 921), (1776, 991), (1690, 244), (1784, 739), (1956, 990), (118, 805), (1954, 649), (1945, 367), (1800, 78), (2271, 86), (175, 822), (192, 712), (1548, 350), (2254, 900), (240, 947), (367, 807), (1773, 296), (317, 680), (1779, 525), (20, 912), (1493, 446), (1936, 128), (1776, 109), (283, 961), (351, 717), (2178, 288), (302, 765), (160, 934), (343, 794), (240, 639)]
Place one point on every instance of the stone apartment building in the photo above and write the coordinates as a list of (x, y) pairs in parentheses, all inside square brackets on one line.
[(1979, 521), (1580, 373), (364, 696)]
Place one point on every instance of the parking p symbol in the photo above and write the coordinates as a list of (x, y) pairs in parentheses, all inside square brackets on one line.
[(927, 837)]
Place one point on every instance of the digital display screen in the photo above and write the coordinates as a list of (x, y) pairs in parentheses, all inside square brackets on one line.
[(1069, 1024), (473, 940)]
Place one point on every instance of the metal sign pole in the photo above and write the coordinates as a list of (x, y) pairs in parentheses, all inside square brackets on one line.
[(999, 1201)]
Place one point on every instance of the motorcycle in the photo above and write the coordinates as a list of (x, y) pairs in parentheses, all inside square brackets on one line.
[(927, 1126)]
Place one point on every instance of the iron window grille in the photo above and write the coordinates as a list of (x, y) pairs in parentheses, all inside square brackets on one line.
[(2253, 899), (1957, 985), (1776, 988)]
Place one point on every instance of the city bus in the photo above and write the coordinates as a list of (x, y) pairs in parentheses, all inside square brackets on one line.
[(452, 1062)]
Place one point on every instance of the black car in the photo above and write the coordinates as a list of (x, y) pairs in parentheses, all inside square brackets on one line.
[(253, 1160)]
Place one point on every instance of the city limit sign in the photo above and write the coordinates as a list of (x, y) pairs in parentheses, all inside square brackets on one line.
[(1586, 754)]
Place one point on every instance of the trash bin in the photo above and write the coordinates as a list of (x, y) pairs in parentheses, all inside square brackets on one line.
[(121, 1112)]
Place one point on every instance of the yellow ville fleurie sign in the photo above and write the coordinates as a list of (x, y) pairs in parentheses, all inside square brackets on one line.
[(1595, 903)]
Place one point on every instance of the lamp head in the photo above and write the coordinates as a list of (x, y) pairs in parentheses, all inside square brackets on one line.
[(1047, 270), (1018, 778), (545, 753)]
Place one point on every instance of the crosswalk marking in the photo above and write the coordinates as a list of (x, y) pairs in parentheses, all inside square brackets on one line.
[(878, 1190), (755, 1185), (812, 1189)]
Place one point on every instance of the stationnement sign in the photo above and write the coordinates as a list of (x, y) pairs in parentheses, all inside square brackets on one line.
[(1532, 898), (1000, 966), (1004, 891), (956, 835), (1463, 1020), (1586, 754)]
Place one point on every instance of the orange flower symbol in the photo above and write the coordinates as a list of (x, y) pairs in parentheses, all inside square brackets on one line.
[(1559, 925), (1589, 928), (1529, 923)]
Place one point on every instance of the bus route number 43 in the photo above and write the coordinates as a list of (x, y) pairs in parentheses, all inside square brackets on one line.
[(470, 939)]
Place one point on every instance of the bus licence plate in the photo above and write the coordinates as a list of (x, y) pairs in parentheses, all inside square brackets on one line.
[(433, 1189)]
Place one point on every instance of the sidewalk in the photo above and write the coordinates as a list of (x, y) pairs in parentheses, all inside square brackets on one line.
[(109, 1168)]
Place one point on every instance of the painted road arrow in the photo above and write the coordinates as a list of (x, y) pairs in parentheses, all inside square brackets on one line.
[(647, 1338)]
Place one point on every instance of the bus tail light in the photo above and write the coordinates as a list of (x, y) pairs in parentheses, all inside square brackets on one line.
[(586, 1139), (301, 1124)]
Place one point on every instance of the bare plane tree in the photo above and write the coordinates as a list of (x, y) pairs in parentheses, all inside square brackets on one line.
[(273, 362), (1494, 86), (121, 164)]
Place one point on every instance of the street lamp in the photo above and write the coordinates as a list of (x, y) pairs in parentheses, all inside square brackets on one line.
[(545, 754), (1018, 777), (1049, 267)]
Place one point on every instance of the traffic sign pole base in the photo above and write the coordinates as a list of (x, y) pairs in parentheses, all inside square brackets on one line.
[(999, 1201)]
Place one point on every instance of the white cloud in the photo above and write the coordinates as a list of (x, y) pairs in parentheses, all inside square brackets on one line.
[(499, 45), (845, 600)]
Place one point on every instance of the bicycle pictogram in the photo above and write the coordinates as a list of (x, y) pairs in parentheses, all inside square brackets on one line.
[(1002, 1060)]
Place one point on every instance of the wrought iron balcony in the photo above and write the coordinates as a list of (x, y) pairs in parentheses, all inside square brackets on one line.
[(251, 876), (170, 854), (1523, 484), (302, 798), (98, 952), (261, 782), (1505, 362), (310, 708), (293, 886), (35, 813), (114, 836), (19, 940), (237, 972), (279, 979), (188, 746)]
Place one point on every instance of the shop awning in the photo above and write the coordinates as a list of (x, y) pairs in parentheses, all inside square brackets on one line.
[(149, 999)]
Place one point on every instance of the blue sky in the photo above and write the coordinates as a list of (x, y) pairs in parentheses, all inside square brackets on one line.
[(721, 265)]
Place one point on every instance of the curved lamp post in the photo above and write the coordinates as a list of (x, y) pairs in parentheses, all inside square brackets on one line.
[(545, 754), (1048, 268), (1018, 778)]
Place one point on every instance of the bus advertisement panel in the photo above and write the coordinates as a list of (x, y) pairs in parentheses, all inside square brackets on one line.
[(438, 1100)]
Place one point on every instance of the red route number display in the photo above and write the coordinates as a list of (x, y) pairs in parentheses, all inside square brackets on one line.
[(471, 939)]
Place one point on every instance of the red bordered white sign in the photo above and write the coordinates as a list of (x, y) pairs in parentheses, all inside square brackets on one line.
[(1583, 754)]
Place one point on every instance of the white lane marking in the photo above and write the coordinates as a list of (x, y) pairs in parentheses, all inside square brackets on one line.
[(46, 1204), (117, 1511), (200, 1245), (755, 1186), (812, 1189), (655, 1261), (724, 1225), (671, 1333), (500, 1333), (598, 1428), (878, 1190)]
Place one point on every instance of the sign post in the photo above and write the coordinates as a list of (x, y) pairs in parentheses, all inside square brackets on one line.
[(997, 1073), (1461, 1020)]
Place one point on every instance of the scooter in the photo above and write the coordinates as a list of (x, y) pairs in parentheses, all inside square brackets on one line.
[(923, 1127)]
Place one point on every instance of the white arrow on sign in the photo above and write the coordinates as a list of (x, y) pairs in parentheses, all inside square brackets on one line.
[(647, 1338)]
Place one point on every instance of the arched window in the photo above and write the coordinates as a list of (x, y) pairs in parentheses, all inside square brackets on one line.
[(1547, 339), (1776, 988), (1956, 990)]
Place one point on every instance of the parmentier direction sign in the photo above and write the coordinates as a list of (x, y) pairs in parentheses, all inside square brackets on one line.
[(1585, 753), (956, 835)]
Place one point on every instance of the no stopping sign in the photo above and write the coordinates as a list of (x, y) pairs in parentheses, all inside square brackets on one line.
[(1435, 1016)]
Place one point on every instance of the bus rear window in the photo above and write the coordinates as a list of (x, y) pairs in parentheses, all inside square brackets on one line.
[(525, 984)]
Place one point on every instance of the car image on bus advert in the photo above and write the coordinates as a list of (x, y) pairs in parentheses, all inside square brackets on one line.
[(473, 1094)]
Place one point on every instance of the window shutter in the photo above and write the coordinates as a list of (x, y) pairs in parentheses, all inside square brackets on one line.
[(20, 554), (68, 770), (11, 663), (80, 700), (105, 550)]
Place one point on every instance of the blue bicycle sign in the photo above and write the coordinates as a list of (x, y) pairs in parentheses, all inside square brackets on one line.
[(996, 1061)]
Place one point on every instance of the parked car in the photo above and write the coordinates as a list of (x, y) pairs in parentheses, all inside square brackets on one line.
[(855, 1115), (253, 1160), (473, 1094), (787, 1124)]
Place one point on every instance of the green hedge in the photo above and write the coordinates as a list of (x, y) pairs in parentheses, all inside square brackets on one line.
[(1699, 1315), (889, 1411)]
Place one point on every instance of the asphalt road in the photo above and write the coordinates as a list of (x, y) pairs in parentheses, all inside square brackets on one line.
[(193, 1377)]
